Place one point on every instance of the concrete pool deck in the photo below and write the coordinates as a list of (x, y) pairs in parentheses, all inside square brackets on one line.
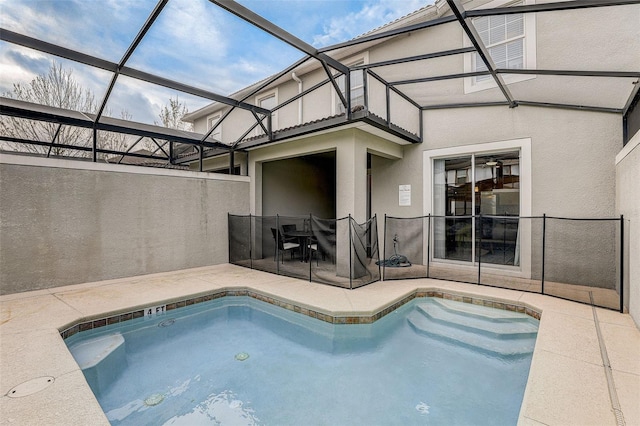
[(567, 384)]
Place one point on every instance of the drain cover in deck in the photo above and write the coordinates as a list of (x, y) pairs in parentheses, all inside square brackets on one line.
[(30, 387)]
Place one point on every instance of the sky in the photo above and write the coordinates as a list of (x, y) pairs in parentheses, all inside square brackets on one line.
[(192, 41)]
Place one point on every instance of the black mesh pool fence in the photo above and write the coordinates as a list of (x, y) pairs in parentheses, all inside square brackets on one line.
[(339, 252), (572, 258)]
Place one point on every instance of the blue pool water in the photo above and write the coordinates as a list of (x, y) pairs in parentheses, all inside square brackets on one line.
[(239, 361)]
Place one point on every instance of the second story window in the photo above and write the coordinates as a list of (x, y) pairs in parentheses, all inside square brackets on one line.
[(268, 101), (357, 88), (510, 41), (212, 121), (503, 36)]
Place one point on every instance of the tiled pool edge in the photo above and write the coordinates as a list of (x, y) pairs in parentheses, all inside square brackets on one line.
[(73, 329)]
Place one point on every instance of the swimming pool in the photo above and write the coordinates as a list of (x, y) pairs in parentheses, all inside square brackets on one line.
[(237, 360)]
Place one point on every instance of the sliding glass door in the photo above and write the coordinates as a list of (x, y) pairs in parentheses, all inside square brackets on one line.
[(476, 199)]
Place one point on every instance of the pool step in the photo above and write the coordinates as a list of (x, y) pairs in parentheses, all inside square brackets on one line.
[(489, 330), (481, 319), (99, 358)]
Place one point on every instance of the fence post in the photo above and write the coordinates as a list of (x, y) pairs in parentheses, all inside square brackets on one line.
[(479, 246), (621, 264), (250, 242), (428, 242), (384, 249), (350, 250), (277, 243), (229, 235), (544, 235), (307, 249)]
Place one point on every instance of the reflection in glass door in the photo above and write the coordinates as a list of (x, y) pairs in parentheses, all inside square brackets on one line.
[(477, 198), (453, 204)]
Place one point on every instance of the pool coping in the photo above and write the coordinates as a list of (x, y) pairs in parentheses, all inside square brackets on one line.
[(116, 318), (566, 385)]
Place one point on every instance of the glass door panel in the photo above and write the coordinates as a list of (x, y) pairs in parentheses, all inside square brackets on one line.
[(453, 208), (497, 199)]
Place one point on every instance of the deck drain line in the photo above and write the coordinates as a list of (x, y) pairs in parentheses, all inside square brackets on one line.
[(613, 395)]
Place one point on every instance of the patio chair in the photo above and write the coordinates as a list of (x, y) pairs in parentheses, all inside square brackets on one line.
[(282, 245), (313, 250), (285, 230)]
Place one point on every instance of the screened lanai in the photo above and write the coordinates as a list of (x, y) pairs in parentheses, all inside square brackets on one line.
[(168, 51)]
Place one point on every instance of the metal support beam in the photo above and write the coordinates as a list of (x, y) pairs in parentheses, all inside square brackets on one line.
[(391, 33), (218, 124), (244, 135), (53, 49), (78, 148), (464, 105), (31, 111), (259, 121), (476, 41), (136, 41), (570, 106), (130, 148), (94, 148), (633, 99), (417, 58), (53, 139), (161, 81), (549, 7), (269, 27), (301, 94), (160, 147), (394, 89), (82, 58), (439, 78), (574, 73), (343, 99)]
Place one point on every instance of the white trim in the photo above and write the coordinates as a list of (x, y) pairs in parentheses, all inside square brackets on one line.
[(274, 117), (362, 58), (630, 146), (55, 163), (524, 146), (217, 115), (470, 83)]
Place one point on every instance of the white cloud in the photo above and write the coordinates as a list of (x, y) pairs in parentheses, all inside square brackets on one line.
[(192, 41), (370, 16)]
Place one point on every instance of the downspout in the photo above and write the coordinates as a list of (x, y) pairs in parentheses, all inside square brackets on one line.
[(295, 77)]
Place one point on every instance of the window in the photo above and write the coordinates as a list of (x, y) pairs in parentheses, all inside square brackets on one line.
[(510, 41), (503, 37), (268, 101), (212, 121), (357, 88)]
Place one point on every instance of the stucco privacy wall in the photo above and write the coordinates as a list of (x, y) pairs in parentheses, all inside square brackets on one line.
[(67, 222), (628, 204)]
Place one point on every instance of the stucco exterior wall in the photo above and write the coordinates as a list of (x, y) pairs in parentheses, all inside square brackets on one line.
[(572, 168), (67, 222), (628, 204)]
